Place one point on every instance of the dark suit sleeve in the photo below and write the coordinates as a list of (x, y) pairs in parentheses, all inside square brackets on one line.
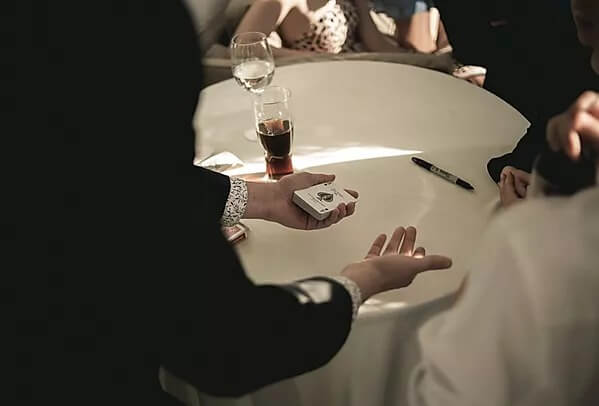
[(229, 336), (215, 192), (121, 261), (219, 330), (524, 154)]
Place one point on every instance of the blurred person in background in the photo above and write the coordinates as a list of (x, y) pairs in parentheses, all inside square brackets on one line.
[(533, 61), (418, 27), (334, 26), (525, 326)]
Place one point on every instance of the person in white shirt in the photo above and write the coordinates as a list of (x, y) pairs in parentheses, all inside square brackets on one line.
[(525, 327)]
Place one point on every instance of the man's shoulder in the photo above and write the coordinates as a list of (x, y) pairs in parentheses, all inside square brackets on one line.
[(535, 217), (554, 242), (548, 251)]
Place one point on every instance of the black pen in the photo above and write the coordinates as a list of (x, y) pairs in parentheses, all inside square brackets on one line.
[(440, 172)]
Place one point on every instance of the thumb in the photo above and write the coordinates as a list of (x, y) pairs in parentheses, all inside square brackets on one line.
[(317, 178), (510, 181), (520, 188), (432, 262), (508, 190)]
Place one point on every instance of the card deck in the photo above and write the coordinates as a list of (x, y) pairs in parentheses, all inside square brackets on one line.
[(236, 233), (320, 200)]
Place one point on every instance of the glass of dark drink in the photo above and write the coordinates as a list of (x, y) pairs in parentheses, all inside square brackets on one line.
[(274, 127)]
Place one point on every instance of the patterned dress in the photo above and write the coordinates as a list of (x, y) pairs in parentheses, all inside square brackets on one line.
[(334, 29)]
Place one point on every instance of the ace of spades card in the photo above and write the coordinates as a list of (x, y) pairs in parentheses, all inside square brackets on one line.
[(320, 200)]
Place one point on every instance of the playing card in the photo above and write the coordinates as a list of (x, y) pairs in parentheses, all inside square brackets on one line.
[(320, 200)]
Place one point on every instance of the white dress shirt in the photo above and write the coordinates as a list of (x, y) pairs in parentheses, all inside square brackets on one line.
[(526, 330)]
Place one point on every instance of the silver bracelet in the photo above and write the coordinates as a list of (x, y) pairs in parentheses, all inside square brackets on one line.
[(236, 203), (353, 290)]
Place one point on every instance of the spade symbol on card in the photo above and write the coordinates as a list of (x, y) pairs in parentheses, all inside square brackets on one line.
[(327, 197)]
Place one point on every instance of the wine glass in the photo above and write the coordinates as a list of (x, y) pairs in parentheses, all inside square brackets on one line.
[(251, 61)]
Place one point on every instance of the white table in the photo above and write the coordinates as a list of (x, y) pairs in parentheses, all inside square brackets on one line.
[(362, 121)]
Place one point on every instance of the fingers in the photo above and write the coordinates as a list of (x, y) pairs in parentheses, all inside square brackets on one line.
[(322, 178), (317, 178), (593, 109), (377, 246), (342, 211), (584, 102), (407, 247), (353, 193), (587, 127), (553, 131), (520, 187), (402, 242), (562, 136), (312, 223), (333, 217), (522, 180), (351, 208), (510, 180), (336, 216), (432, 262), (504, 172), (581, 122), (572, 145), (393, 245), (329, 221), (510, 184), (507, 191), (522, 176)]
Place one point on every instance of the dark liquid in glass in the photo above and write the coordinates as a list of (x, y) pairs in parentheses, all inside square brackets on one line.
[(276, 137)]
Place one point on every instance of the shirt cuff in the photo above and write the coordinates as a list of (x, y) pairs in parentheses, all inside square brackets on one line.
[(353, 290), (236, 203)]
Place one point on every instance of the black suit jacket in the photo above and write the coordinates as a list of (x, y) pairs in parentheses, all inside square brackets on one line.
[(534, 61), (110, 235)]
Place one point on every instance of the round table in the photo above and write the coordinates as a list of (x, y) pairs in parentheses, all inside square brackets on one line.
[(362, 121)]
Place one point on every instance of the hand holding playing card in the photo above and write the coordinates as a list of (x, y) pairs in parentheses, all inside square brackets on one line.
[(285, 212), (395, 266)]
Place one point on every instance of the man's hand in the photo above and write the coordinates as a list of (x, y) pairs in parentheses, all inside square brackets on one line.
[(287, 213), (579, 123), (273, 201), (513, 185), (394, 266)]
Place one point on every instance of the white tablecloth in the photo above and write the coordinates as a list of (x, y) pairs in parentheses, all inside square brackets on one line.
[(362, 121)]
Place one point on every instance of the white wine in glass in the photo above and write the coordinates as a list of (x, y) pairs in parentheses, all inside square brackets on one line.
[(252, 61)]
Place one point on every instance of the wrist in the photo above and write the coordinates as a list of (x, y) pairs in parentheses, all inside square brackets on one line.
[(366, 276), (260, 200)]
